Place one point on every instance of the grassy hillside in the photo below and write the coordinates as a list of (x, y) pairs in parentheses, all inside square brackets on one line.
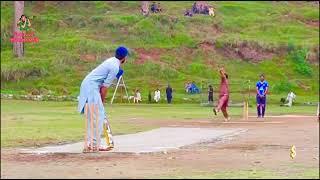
[(248, 38)]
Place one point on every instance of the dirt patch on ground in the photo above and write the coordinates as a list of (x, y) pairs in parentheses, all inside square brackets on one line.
[(148, 55), (217, 30), (255, 149), (207, 46), (313, 23), (88, 57), (154, 55), (210, 63), (245, 51), (308, 22), (248, 51), (303, 86), (313, 56)]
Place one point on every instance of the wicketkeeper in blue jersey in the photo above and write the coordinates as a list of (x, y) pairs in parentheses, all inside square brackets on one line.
[(262, 90)]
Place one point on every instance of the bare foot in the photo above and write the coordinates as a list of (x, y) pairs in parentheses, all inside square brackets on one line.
[(90, 149), (214, 111)]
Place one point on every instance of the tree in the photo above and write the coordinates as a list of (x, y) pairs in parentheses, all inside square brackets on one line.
[(145, 8), (18, 11)]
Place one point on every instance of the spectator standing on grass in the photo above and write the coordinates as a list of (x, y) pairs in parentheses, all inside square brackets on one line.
[(169, 94), (149, 97), (157, 95), (262, 90), (210, 94)]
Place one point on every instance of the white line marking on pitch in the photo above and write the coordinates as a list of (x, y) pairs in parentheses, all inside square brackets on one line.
[(165, 148)]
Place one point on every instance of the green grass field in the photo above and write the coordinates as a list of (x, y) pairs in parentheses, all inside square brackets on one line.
[(31, 123)]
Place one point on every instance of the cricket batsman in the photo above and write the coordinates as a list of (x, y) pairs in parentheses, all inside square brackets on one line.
[(262, 90), (224, 95), (94, 89)]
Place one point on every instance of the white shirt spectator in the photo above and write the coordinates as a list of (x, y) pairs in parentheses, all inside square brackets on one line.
[(157, 95)]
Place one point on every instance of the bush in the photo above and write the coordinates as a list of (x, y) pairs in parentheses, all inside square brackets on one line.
[(283, 86), (291, 45), (14, 71), (102, 6), (300, 64)]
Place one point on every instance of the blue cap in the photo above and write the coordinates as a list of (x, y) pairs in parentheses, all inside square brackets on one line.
[(121, 52)]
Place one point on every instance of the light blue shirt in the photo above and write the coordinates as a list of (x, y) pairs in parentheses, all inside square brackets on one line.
[(103, 75)]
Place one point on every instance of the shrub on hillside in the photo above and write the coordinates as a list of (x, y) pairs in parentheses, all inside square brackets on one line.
[(300, 64), (284, 86)]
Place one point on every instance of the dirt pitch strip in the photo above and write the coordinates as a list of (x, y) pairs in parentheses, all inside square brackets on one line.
[(162, 139)]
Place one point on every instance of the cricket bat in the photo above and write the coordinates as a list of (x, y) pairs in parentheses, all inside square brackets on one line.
[(107, 132)]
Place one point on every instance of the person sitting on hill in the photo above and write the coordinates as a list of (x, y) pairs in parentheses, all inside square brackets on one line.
[(137, 97), (186, 87), (154, 7), (158, 8), (211, 11), (201, 7), (188, 12), (145, 9), (191, 87), (194, 8), (194, 88), (134, 94), (290, 98)]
